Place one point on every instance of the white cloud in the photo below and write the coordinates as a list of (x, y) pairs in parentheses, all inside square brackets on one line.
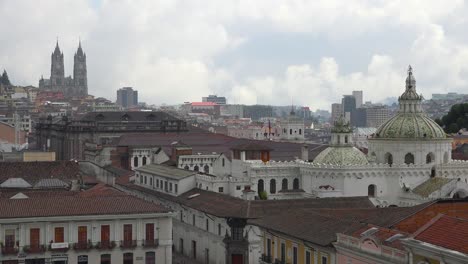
[(169, 49)]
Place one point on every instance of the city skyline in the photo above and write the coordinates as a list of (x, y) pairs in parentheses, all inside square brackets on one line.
[(265, 53)]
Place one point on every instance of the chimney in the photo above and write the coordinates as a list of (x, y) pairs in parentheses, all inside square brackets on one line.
[(305, 153)]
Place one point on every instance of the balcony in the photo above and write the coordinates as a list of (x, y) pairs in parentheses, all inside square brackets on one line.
[(34, 249), (105, 245), (86, 245), (265, 258), (128, 243), (151, 243), (9, 250)]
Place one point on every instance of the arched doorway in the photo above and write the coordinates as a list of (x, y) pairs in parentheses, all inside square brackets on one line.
[(261, 186), (371, 190), (272, 186), (296, 184), (409, 158), (284, 184)]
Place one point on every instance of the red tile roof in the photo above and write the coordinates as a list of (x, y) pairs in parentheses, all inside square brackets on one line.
[(382, 235), (447, 232), (75, 206)]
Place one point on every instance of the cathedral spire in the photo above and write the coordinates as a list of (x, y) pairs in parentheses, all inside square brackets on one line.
[(80, 50), (57, 48)]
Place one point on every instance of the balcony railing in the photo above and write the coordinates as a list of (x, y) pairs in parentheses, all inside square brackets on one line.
[(58, 246), (128, 243), (34, 249), (265, 258), (105, 245), (151, 243), (9, 250), (86, 245)]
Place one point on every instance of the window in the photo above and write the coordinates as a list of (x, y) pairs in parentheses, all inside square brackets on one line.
[(186, 167), (283, 252), (207, 256), (296, 184), (193, 220), (260, 186), (238, 187), (272, 186), (430, 158), (300, 131), (82, 234), (194, 249), (128, 258), (207, 225), (308, 258), (157, 183), (219, 229), (10, 238), (175, 188), (151, 181), (237, 233), (34, 237), (150, 258), (324, 260), (196, 168), (294, 255), (409, 158), (135, 162), (371, 190), (128, 236), (181, 245), (206, 169), (346, 139), (105, 259), (83, 259), (389, 158), (59, 235), (220, 189), (223, 162), (170, 186), (105, 233), (165, 186), (149, 232), (268, 249), (143, 161), (290, 131), (284, 184)]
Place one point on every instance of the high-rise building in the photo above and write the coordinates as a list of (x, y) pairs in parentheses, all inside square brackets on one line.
[(377, 115), (76, 86), (337, 112), (349, 106), (359, 98), (127, 97), (221, 100)]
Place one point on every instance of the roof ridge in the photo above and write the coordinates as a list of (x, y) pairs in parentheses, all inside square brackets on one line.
[(427, 225)]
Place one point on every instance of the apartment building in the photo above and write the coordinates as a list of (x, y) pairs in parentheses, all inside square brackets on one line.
[(83, 227)]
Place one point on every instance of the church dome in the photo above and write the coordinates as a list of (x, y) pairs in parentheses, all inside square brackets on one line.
[(341, 155), (410, 125), (410, 122)]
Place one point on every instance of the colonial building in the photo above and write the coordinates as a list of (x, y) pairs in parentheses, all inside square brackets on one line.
[(94, 226), (67, 137), (70, 87)]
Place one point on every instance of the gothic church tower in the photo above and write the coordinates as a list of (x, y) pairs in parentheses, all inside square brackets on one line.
[(80, 72), (57, 71)]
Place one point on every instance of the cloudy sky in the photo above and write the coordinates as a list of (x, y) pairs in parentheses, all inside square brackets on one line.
[(262, 51)]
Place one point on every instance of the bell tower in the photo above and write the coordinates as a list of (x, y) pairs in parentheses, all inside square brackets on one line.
[(80, 78), (57, 71)]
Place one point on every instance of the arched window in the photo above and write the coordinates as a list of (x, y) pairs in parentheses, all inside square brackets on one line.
[(206, 169), (135, 162), (150, 258), (261, 186), (433, 172), (284, 184), (296, 184), (388, 158), (409, 158), (144, 161), (446, 157), (196, 168), (346, 139), (290, 131), (371, 190), (430, 158), (272, 186), (128, 258), (186, 167), (300, 131)]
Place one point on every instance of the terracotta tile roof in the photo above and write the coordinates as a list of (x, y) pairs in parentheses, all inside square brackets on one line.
[(76, 205), (33, 172), (447, 232), (206, 143)]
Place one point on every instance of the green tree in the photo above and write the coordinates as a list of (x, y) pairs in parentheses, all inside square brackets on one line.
[(453, 128), (4, 79), (263, 195), (455, 119)]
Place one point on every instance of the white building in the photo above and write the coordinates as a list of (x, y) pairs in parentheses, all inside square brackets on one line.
[(84, 227), (292, 127)]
